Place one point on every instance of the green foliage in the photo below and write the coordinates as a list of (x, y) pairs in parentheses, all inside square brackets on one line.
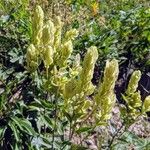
[(47, 95), (120, 30), (16, 130), (65, 83), (134, 108), (129, 140)]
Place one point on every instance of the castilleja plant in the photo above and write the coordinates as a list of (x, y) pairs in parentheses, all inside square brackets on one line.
[(105, 99), (66, 79), (132, 97), (71, 81)]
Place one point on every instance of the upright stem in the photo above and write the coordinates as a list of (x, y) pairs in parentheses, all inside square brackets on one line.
[(70, 126), (114, 136), (126, 127), (55, 120)]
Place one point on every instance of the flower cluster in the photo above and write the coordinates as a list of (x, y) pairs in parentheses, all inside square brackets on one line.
[(71, 80), (47, 44), (105, 98), (133, 97)]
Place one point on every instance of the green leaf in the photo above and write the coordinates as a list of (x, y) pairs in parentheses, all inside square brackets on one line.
[(47, 104), (2, 132), (84, 129), (35, 106), (27, 127), (128, 139), (69, 117), (119, 146), (17, 146), (17, 122), (15, 130), (24, 125), (47, 120)]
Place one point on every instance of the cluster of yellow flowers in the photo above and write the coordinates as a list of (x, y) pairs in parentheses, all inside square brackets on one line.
[(47, 44), (79, 87), (133, 97), (105, 98), (75, 85), (73, 81)]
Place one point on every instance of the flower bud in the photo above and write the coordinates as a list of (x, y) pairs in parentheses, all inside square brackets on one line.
[(70, 89), (146, 104), (132, 96), (133, 83), (48, 56), (66, 51), (105, 98), (71, 34), (88, 68), (31, 57), (58, 26), (48, 34), (31, 53), (110, 76), (37, 25)]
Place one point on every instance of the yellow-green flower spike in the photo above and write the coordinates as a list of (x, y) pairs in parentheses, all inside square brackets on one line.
[(70, 89), (88, 68), (136, 100), (48, 34), (133, 83), (132, 96), (31, 56), (58, 32), (37, 25), (66, 51), (110, 76), (71, 34), (105, 98), (31, 52), (48, 56), (72, 84), (146, 104), (58, 78)]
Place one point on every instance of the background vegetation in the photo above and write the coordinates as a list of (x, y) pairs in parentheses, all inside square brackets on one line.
[(28, 111)]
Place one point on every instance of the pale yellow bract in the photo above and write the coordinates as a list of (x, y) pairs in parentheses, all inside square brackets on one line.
[(105, 98), (74, 85), (133, 96)]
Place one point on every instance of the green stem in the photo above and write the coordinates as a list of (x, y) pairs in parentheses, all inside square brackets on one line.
[(114, 136), (70, 132), (55, 120)]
